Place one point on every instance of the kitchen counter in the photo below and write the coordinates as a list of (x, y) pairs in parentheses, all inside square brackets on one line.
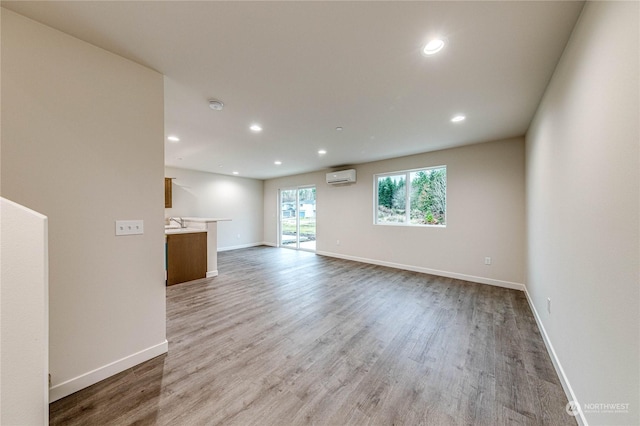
[(204, 219), (186, 256), (202, 224), (177, 230)]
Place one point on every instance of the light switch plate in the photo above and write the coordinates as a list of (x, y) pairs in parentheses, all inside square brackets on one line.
[(129, 227)]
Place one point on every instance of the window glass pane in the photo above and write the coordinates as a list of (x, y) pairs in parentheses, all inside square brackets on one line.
[(307, 218), (392, 202), (288, 224), (428, 197)]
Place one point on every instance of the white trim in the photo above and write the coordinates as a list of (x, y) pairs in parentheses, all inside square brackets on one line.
[(211, 274), (264, 243), (564, 380), (481, 280), (92, 377), (241, 246)]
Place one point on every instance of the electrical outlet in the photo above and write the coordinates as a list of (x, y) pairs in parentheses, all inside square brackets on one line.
[(487, 261), (129, 227), (549, 304)]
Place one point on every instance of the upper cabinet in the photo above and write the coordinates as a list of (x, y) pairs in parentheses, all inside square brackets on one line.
[(167, 193)]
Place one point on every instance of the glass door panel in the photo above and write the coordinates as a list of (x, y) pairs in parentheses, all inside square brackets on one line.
[(288, 218), (298, 218), (307, 218)]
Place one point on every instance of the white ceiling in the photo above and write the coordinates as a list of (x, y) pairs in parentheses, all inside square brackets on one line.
[(301, 69)]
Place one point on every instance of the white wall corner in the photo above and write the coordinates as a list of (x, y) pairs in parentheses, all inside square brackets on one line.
[(92, 377)]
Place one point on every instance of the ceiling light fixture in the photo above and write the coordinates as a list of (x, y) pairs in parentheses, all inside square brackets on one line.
[(277, 163), (458, 118), (215, 105), (339, 129), (173, 138), (255, 128), (322, 152), (433, 47), (235, 173)]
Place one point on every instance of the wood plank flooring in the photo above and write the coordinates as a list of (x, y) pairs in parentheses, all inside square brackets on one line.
[(282, 337)]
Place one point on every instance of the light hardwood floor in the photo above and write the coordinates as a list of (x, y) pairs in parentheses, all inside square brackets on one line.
[(282, 337)]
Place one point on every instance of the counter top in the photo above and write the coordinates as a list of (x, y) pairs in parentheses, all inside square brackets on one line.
[(170, 231), (204, 219)]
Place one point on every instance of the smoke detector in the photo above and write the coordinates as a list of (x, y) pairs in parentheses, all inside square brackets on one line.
[(215, 105)]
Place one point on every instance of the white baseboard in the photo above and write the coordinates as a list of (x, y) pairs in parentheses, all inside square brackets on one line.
[(264, 243), (211, 274), (481, 280), (92, 377), (241, 246), (568, 390)]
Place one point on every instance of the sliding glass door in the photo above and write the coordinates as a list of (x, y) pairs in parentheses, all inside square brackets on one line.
[(298, 218)]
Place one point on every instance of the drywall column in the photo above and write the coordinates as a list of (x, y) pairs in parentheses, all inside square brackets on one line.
[(82, 143), (212, 249), (24, 318)]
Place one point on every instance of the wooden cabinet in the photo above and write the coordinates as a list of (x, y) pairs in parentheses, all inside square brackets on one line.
[(186, 257), (167, 193)]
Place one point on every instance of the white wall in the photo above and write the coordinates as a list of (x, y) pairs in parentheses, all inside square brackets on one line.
[(24, 316), (583, 209), (485, 216), (82, 142), (202, 194)]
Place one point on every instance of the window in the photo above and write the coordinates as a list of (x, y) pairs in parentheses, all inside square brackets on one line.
[(412, 197)]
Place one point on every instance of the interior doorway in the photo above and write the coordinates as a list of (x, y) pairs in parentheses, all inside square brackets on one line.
[(297, 225)]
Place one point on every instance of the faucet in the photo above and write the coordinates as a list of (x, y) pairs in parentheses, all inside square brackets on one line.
[(178, 220)]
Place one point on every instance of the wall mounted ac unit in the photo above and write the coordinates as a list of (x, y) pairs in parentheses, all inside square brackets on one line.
[(343, 176)]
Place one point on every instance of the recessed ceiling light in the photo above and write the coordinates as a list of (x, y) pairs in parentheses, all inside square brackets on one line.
[(322, 152), (215, 105), (255, 128), (277, 163), (433, 46), (173, 138), (339, 129), (458, 118), (235, 173)]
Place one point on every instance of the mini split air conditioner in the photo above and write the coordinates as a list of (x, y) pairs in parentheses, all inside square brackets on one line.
[(343, 176)]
